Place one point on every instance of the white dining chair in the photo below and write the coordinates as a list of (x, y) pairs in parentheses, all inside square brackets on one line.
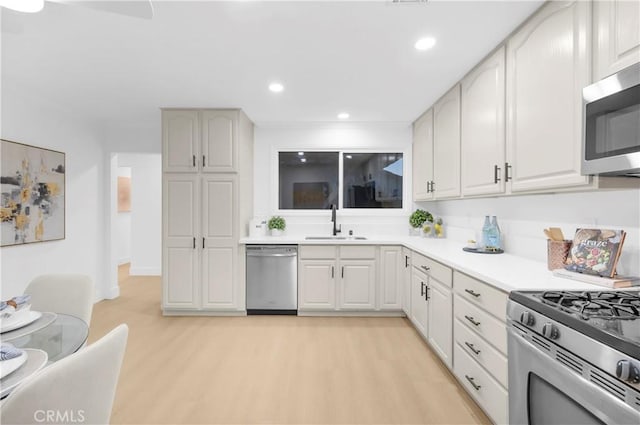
[(63, 293), (77, 389)]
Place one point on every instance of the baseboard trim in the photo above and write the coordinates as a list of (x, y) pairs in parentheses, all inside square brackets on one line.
[(125, 260), (113, 292), (202, 313), (352, 313)]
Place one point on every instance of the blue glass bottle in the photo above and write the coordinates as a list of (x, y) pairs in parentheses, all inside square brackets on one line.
[(486, 243)]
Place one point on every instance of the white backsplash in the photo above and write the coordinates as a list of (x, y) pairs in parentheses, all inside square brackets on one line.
[(522, 219)]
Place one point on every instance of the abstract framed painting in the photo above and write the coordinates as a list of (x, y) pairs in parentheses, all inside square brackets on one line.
[(32, 194)]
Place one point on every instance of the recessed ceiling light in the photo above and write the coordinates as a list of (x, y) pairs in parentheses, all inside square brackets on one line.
[(425, 43), (276, 87), (343, 116), (303, 159), (301, 153), (29, 6), (348, 156)]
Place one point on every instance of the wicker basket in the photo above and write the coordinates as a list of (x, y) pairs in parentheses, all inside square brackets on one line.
[(557, 253)]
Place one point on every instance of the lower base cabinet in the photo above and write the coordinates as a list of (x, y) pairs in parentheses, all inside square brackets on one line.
[(489, 394)]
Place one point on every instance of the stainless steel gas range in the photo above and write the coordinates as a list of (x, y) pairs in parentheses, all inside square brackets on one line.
[(574, 357)]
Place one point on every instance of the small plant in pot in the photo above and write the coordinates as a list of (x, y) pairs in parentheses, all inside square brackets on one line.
[(276, 225), (418, 218)]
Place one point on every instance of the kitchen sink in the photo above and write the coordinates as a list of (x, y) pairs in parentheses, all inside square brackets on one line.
[(335, 238)]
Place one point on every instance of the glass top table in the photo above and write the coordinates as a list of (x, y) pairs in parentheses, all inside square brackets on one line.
[(61, 336)]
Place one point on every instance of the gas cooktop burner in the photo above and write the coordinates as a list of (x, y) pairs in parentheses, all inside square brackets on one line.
[(595, 305), (612, 317)]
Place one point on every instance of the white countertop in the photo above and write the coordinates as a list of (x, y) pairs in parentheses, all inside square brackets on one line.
[(504, 271)]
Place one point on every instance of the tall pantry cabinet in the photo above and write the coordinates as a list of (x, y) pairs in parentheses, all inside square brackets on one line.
[(206, 202)]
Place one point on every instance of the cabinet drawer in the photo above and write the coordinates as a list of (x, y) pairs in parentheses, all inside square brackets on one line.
[(317, 252), (482, 352), (434, 269), (358, 252), (489, 394), (489, 298), (485, 325)]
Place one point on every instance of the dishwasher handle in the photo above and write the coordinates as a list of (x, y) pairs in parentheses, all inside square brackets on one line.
[(272, 252)]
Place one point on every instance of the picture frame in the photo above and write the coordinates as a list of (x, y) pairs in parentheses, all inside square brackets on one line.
[(32, 194)]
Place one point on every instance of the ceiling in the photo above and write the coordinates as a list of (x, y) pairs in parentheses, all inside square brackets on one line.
[(355, 56)]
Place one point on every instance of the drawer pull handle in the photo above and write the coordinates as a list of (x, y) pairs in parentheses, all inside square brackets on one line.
[(473, 384), (472, 320), (426, 268), (422, 286), (472, 293), (472, 348)]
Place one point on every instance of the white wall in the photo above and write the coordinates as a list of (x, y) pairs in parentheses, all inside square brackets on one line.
[(269, 139), (30, 119), (123, 227), (146, 212), (522, 219)]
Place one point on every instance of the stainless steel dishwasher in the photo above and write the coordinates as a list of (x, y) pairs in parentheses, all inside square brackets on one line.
[(272, 279)]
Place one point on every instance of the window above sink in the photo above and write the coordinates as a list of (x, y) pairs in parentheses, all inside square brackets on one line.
[(352, 180)]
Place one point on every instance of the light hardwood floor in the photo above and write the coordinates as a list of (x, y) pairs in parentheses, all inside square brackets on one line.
[(274, 369)]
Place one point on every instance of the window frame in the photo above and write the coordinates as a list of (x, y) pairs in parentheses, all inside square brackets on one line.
[(406, 182)]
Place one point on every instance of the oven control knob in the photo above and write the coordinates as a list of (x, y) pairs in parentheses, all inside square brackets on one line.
[(628, 372), (527, 319), (550, 331)]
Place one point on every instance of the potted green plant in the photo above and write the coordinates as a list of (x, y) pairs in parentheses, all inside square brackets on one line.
[(276, 225), (418, 218)]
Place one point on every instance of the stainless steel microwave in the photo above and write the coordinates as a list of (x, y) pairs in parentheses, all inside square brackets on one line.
[(611, 125)]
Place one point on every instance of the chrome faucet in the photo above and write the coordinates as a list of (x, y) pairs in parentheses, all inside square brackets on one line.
[(338, 229)]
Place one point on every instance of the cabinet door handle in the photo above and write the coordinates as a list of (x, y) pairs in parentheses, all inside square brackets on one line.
[(422, 286), (406, 261), (472, 320), (204, 161), (194, 242), (472, 293), (202, 243), (426, 269), (342, 272), (507, 167), (426, 293), (433, 186), (472, 348), (194, 160), (473, 384), (496, 173), (332, 272), (428, 186)]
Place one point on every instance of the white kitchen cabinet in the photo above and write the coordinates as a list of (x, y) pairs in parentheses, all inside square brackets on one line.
[(338, 278), (316, 285), (422, 158), (419, 303), (440, 321), (205, 212), (616, 33), (180, 226), (219, 146), (219, 233), (390, 284), (201, 140), (357, 285), (548, 64), (482, 127), (406, 281), (446, 145), (480, 335), (180, 140)]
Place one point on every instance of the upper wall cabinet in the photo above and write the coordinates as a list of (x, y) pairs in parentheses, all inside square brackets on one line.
[(482, 127), (547, 67), (203, 140), (446, 145), (180, 140), (423, 157), (616, 32)]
